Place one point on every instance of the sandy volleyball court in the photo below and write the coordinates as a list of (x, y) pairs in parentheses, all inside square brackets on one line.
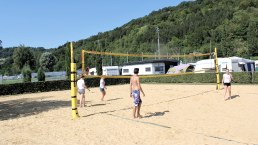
[(173, 114)]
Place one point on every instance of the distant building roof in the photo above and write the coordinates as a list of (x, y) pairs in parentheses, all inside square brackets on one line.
[(152, 61)]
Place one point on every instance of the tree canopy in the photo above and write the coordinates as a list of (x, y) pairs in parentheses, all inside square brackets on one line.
[(47, 61), (23, 56), (190, 27)]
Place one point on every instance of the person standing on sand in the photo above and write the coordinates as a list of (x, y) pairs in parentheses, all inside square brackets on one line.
[(135, 88), (226, 80), (81, 90), (102, 87)]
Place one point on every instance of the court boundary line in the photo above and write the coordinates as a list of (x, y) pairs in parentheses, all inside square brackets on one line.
[(127, 108), (164, 126), (138, 121), (215, 137), (184, 130)]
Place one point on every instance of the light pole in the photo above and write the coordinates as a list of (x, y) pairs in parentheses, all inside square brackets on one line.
[(157, 30), (101, 53), (111, 60), (127, 58), (210, 52)]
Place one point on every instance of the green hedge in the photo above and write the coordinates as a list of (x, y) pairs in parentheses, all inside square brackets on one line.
[(255, 78), (191, 78), (94, 82), (32, 87), (239, 77)]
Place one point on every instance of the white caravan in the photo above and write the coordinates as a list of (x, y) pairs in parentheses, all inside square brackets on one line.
[(234, 64), (256, 65), (149, 67), (107, 71)]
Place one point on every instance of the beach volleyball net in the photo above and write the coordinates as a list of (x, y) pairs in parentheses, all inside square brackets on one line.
[(85, 71)]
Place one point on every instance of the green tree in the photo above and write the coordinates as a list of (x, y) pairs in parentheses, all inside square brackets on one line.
[(99, 66), (68, 61), (189, 26), (41, 74), (23, 56), (99, 61), (26, 73), (7, 67), (47, 61), (1, 47), (252, 38)]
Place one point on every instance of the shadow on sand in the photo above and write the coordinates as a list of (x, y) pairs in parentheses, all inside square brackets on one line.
[(105, 112), (159, 113), (155, 114), (232, 97), (25, 107), (97, 105), (114, 99)]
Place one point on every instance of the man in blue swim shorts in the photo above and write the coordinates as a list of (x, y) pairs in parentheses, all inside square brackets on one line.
[(135, 89), (136, 97)]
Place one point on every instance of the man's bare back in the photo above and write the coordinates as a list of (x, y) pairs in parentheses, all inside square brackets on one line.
[(135, 83)]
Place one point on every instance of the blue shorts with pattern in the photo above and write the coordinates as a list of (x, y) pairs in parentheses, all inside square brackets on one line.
[(136, 97)]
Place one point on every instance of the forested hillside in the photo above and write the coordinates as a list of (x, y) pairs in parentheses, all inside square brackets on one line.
[(195, 26)]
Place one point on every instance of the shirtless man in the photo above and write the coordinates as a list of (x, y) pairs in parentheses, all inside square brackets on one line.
[(135, 88)]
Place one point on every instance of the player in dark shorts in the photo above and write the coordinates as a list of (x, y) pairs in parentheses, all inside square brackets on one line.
[(227, 84), (226, 80)]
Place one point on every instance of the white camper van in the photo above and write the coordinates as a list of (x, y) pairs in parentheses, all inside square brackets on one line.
[(149, 67), (234, 64), (107, 71)]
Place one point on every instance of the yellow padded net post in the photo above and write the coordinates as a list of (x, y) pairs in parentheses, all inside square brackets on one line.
[(217, 68), (75, 113)]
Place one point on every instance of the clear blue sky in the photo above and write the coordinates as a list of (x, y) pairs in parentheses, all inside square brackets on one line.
[(51, 23)]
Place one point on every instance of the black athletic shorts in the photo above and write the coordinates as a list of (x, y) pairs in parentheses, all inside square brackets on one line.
[(227, 84)]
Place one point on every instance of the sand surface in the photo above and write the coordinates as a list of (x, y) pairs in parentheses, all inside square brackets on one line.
[(173, 114)]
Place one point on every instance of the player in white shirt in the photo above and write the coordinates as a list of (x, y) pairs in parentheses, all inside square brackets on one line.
[(102, 87), (81, 90), (226, 81)]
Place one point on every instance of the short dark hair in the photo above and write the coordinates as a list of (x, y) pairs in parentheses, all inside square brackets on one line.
[(136, 70)]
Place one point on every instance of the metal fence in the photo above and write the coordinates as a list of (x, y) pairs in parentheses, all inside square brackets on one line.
[(19, 78)]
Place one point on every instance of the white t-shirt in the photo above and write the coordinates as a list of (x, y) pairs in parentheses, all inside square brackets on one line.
[(81, 84), (102, 83), (226, 78)]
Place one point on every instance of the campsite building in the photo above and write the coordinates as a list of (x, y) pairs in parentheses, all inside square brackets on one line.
[(107, 70), (149, 67), (234, 64)]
